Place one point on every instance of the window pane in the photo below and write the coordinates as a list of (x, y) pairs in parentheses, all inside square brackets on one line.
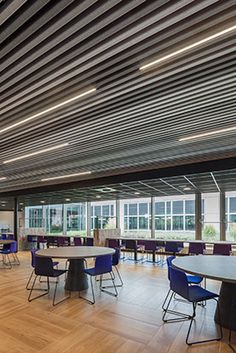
[(143, 209), (160, 223), (168, 207), (232, 205), (133, 209), (189, 223), (232, 218), (168, 223), (178, 223), (177, 207), (133, 222), (126, 223), (159, 207), (97, 211), (190, 206), (112, 210), (105, 210), (126, 209), (143, 222)]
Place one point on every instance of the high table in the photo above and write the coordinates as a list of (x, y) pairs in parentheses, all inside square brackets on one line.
[(221, 268), (76, 279)]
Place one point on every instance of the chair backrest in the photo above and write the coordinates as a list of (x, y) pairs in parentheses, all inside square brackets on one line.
[(172, 246), (131, 244), (222, 249), (11, 236), (196, 248), (3, 236), (88, 241), (41, 239), (77, 241), (179, 282), (43, 266), (169, 264), (103, 264), (13, 247), (33, 255), (62, 241), (150, 245), (116, 257), (161, 243), (113, 243)]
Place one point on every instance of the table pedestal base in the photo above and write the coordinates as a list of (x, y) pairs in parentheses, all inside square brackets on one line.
[(76, 280), (227, 311)]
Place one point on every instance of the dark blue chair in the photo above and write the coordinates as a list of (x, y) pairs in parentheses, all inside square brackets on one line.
[(5, 252), (3, 236), (190, 278), (115, 263), (103, 265), (194, 294), (196, 248), (33, 256), (88, 241), (77, 241), (173, 247), (13, 251), (222, 249), (44, 268)]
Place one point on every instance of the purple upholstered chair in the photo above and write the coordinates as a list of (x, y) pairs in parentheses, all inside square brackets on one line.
[(222, 249), (196, 248), (77, 241)]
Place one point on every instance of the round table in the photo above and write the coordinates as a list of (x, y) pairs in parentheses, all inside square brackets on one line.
[(220, 268), (76, 279)]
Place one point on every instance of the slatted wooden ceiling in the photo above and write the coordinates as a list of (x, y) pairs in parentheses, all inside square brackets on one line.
[(52, 51)]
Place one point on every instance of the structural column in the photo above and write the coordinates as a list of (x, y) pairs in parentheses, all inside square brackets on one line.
[(16, 218), (222, 216), (88, 219), (152, 217), (118, 214), (64, 219), (198, 216)]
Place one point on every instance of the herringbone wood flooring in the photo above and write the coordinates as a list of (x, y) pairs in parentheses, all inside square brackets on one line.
[(130, 323)]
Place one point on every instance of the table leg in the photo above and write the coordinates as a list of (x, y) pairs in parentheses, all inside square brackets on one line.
[(153, 256), (76, 279), (227, 311)]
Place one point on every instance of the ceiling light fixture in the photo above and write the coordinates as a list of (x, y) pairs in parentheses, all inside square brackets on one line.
[(208, 133), (47, 110), (202, 41), (36, 153), (66, 176), (137, 193), (2, 178), (67, 200)]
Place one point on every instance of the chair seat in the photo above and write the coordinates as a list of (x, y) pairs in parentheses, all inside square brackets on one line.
[(198, 294), (194, 279), (94, 271), (57, 273)]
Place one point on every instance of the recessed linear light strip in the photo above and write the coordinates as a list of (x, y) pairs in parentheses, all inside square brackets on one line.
[(66, 176), (3, 178), (47, 110), (208, 133), (207, 39), (36, 153)]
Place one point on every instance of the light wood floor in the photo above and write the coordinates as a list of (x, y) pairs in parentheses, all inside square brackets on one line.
[(130, 323)]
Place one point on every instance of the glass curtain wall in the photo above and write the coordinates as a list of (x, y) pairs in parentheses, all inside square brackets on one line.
[(103, 215), (211, 219), (230, 216)]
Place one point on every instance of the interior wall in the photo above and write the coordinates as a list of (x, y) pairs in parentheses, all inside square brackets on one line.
[(6, 220)]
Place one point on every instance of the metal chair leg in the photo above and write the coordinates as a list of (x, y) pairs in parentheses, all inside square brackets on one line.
[(181, 316), (41, 295), (30, 277), (54, 296), (190, 326), (88, 300)]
